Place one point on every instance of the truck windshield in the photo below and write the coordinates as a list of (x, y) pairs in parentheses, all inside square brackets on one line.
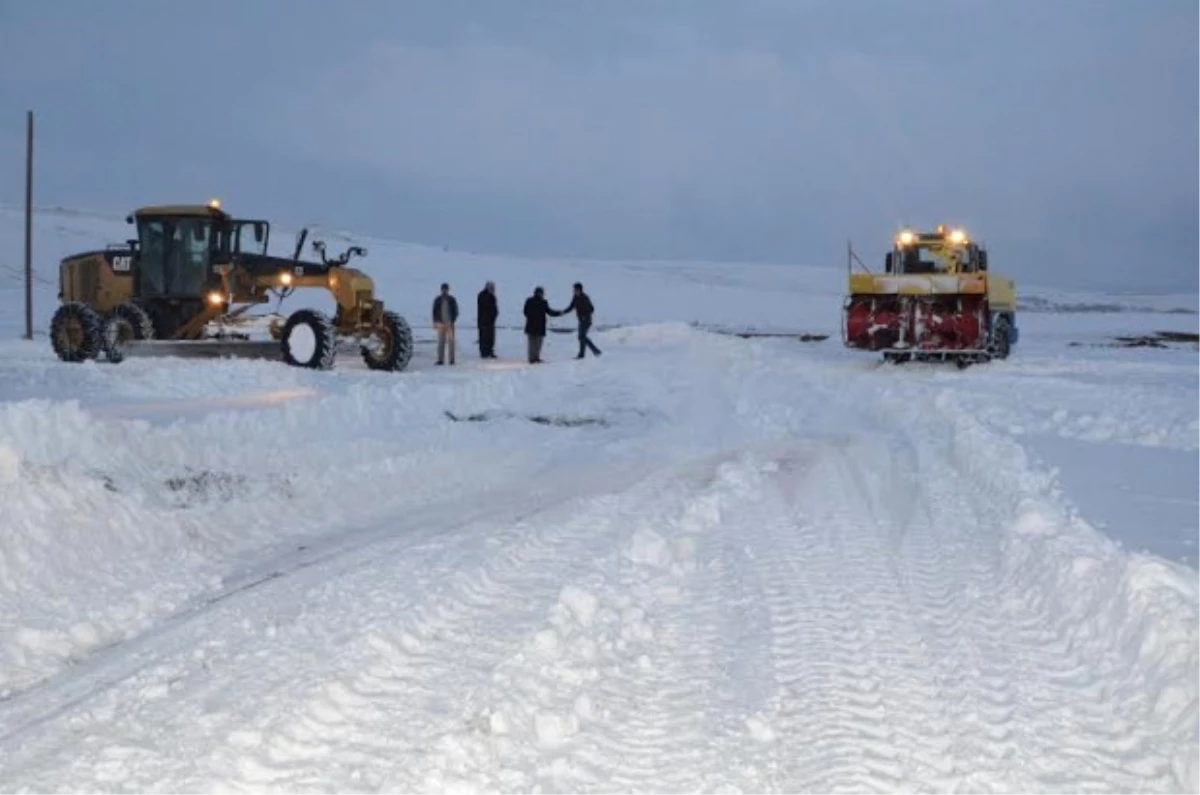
[(939, 258)]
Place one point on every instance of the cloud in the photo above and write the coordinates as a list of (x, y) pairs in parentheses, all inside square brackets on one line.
[(633, 141), (682, 137), (1062, 133)]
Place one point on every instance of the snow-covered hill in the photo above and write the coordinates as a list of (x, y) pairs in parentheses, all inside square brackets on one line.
[(783, 297), (699, 563)]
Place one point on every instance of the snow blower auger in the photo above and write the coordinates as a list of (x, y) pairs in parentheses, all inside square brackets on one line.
[(185, 286), (935, 301)]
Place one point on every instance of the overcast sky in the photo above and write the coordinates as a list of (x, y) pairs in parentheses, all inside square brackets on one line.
[(1064, 134)]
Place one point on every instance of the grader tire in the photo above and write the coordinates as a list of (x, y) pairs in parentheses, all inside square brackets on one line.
[(126, 322), (395, 345), (308, 340), (76, 332)]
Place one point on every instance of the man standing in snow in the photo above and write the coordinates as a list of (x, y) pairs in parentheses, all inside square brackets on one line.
[(536, 310), (583, 310), (487, 312), (445, 315)]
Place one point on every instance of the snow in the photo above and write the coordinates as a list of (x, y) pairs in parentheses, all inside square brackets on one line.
[(302, 342), (700, 563)]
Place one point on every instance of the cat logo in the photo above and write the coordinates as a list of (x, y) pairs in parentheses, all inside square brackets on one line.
[(122, 263)]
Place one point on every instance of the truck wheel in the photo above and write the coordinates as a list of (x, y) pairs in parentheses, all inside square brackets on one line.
[(308, 340), (999, 345), (393, 347), (75, 332)]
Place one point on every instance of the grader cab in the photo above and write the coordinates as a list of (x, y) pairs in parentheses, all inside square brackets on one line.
[(185, 285)]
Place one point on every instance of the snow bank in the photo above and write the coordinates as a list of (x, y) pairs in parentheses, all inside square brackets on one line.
[(1124, 411), (1132, 614), (111, 523)]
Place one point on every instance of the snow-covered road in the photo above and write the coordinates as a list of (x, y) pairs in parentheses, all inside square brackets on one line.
[(734, 565)]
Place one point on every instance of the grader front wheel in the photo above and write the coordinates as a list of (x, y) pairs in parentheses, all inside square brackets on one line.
[(308, 340), (390, 346)]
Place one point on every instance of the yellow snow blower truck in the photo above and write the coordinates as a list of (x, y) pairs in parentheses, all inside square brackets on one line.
[(935, 301), (184, 286)]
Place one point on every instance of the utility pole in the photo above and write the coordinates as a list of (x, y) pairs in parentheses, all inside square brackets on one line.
[(29, 225)]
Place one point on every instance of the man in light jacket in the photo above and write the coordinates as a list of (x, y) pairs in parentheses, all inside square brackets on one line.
[(445, 315)]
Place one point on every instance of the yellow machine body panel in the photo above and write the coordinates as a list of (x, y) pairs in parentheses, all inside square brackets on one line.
[(1001, 293), (917, 284), (101, 279)]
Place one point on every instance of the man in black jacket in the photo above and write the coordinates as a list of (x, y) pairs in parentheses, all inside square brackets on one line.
[(536, 310), (583, 310), (445, 315), (487, 312)]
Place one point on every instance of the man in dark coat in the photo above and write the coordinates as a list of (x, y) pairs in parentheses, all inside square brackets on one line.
[(488, 311), (536, 310), (583, 310), (445, 315)]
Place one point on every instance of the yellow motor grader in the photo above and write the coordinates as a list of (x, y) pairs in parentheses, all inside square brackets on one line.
[(184, 286)]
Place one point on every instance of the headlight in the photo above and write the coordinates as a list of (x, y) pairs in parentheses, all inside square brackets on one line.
[(906, 237), (285, 278), (216, 299), (958, 236)]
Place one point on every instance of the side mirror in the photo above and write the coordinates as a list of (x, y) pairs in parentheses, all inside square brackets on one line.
[(887, 262), (129, 219), (258, 231)]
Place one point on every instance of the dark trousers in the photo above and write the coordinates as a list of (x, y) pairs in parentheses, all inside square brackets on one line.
[(487, 340), (584, 341), (535, 347)]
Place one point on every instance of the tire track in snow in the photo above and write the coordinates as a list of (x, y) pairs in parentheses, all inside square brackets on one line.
[(505, 699), (1040, 692), (420, 672), (1032, 710), (940, 577), (857, 705), (666, 715)]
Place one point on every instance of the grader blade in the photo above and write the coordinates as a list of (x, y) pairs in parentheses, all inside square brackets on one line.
[(202, 349)]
